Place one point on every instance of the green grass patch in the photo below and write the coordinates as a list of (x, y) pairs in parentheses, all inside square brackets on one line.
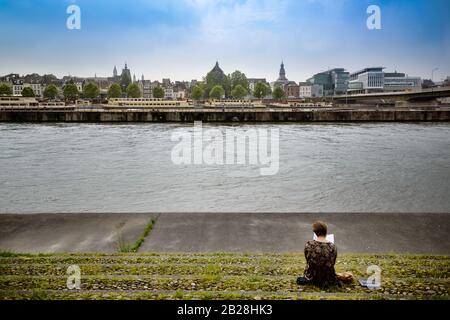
[(124, 247)]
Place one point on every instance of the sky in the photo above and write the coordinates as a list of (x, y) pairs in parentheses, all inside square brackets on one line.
[(182, 39)]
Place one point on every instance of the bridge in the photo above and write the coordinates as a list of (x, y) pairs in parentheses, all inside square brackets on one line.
[(392, 97)]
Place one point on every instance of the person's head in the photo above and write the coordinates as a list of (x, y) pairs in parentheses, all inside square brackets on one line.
[(320, 228)]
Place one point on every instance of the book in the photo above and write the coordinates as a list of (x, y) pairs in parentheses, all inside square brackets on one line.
[(330, 237)]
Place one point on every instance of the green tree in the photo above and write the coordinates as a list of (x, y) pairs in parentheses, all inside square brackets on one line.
[(51, 92), (217, 92), (158, 92), (70, 91), (197, 93), (133, 91), (91, 91), (278, 93), (238, 78), (261, 90), (114, 91), (28, 92), (49, 78), (5, 90), (239, 92)]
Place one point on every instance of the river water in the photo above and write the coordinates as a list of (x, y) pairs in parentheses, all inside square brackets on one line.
[(386, 167)]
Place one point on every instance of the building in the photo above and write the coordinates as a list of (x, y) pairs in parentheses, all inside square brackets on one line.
[(282, 81), (334, 82), (252, 82), (18, 86), (375, 80), (146, 88), (395, 81), (168, 93), (217, 77), (125, 78), (179, 94), (166, 82), (292, 90), (367, 80), (10, 78), (308, 90)]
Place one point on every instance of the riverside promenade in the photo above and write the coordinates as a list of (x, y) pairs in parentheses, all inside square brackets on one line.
[(98, 114), (416, 233)]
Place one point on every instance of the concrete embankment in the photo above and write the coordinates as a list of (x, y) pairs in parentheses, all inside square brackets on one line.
[(225, 232), (248, 115)]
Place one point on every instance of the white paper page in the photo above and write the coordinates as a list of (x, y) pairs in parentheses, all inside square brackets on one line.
[(330, 237)]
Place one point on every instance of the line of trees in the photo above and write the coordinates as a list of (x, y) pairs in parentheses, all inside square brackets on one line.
[(239, 92), (235, 85), (90, 91)]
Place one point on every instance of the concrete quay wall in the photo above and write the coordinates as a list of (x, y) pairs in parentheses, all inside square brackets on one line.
[(227, 116)]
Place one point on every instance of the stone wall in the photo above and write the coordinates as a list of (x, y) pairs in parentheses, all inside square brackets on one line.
[(219, 116)]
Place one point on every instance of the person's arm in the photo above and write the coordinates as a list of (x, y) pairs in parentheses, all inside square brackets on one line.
[(334, 255), (307, 252)]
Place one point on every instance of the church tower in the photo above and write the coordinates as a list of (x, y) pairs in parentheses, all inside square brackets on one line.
[(115, 72), (125, 78), (282, 76)]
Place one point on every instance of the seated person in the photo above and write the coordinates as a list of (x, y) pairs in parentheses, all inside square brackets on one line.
[(321, 256)]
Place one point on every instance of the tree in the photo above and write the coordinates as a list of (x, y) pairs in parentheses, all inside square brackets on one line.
[(158, 92), (261, 90), (28, 92), (239, 92), (217, 92), (133, 91), (197, 93), (51, 92), (91, 91), (238, 78), (49, 78), (5, 90), (114, 91), (70, 91), (278, 93)]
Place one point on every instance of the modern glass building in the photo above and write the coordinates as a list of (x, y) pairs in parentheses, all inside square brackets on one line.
[(368, 80), (375, 80), (334, 82)]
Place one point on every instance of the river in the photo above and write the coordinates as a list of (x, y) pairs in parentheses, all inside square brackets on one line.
[(367, 167)]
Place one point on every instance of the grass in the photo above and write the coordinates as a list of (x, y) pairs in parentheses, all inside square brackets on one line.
[(124, 247), (7, 254), (214, 276)]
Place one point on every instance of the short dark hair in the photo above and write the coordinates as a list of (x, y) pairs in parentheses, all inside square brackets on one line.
[(320, 228)]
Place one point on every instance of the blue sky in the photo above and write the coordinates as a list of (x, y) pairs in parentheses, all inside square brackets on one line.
[(182, 39)]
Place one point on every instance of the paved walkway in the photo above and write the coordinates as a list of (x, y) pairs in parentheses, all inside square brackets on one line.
[(227, 232)]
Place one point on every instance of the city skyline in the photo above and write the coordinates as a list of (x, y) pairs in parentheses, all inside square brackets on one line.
[(182, 39)]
